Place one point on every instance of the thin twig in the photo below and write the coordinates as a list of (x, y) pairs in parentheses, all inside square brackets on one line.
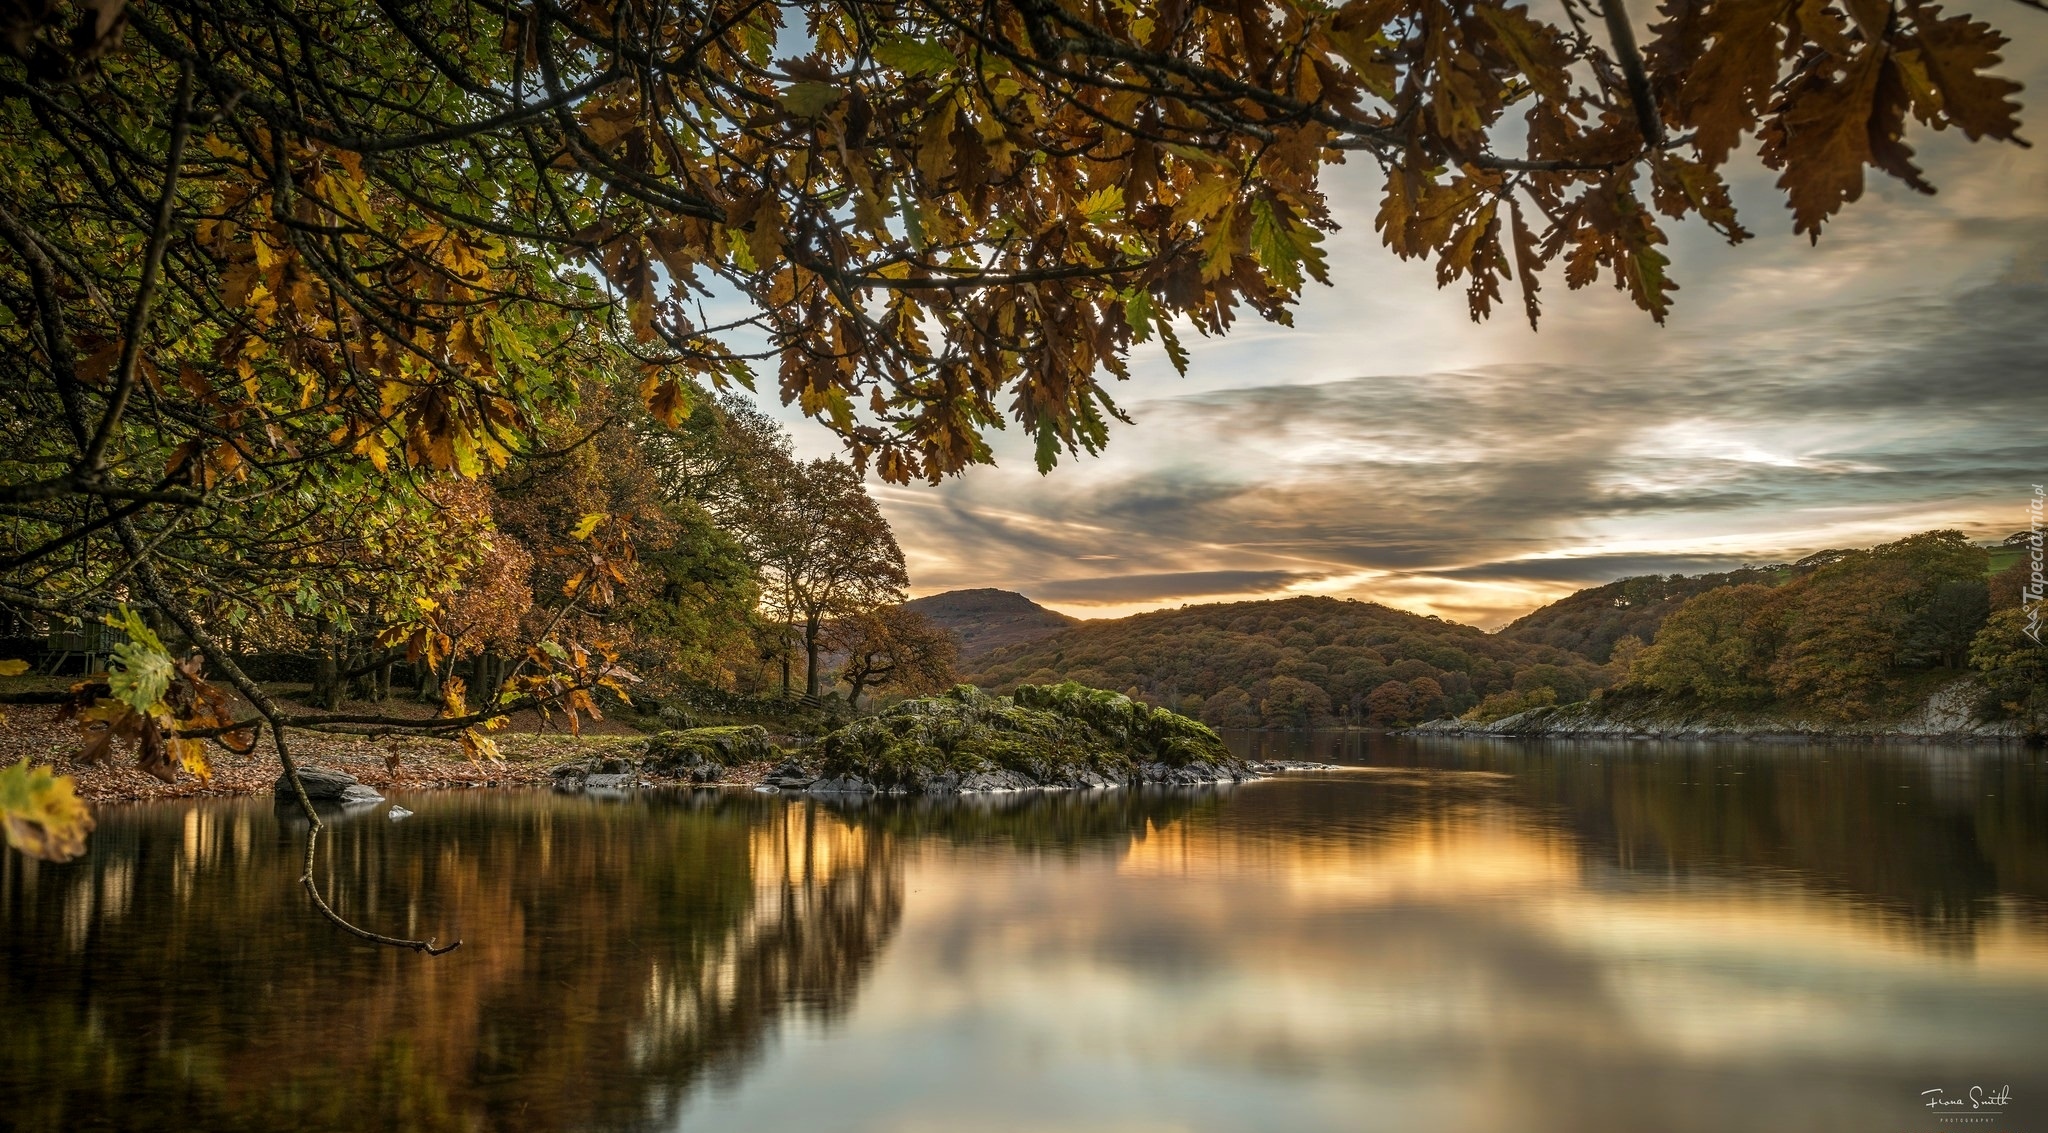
[(145, 291)]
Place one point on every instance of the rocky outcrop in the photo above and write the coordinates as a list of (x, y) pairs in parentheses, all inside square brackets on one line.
[(598, 772), (1948, 716), (338, 788), (1276, 766), (695, 749), (1042, 736), (964, 742)]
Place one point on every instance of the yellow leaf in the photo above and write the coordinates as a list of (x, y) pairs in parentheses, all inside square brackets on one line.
[(43, 814), (192, 756), (588, 524), (1103, 205), (13, 668), (453, 702), (479, 747), (935, 144), (1206, 197)]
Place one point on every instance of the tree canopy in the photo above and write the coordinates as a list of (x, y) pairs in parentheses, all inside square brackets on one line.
[(1840, 634)]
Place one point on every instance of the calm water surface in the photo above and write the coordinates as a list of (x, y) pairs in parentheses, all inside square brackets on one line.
[(1445, 936)]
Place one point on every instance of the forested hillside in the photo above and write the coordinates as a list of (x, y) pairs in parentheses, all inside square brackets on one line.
[(1850, 636), (1296, 662), (1591, 621)]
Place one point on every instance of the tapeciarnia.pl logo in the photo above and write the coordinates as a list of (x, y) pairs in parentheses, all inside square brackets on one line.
[(2032, 593)]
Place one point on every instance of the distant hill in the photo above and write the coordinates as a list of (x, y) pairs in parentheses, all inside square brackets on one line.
[(1291, 662), (1591, 621), (988, 619), (1928, 633)]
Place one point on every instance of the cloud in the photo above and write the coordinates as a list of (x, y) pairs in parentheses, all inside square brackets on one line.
[(1110, 589), (1803, 397), (1816, 433), (1596, 569)]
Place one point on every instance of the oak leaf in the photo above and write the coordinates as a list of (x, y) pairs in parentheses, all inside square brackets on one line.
[(42, 813)]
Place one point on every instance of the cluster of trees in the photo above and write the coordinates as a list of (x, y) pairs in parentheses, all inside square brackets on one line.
[(1845, 634), (1592, 622), (728, 562), (1296, 662)]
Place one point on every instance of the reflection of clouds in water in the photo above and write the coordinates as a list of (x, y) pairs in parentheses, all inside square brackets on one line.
[(1436, 955)]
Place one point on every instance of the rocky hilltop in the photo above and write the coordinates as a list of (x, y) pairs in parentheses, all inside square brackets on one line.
[(982, 621)]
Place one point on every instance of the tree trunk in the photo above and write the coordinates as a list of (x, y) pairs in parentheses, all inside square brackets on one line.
[(326, 679), (811, 658), (490, 676)]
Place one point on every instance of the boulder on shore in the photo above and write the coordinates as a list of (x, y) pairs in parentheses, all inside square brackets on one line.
[(704, 754), (324, 785)]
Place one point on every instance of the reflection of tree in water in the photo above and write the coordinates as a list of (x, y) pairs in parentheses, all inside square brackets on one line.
[(1936, 838), (614, 954), (1944, 839)]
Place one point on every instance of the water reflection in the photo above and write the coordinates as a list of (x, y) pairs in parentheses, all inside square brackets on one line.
[(1455, 936), (1938, 837), (615, 954)]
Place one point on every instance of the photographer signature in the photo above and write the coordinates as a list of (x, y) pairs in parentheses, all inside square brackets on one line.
[(1977, 1098)]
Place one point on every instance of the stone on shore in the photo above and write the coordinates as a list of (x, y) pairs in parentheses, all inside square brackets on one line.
[(703, 755), (327, 786)]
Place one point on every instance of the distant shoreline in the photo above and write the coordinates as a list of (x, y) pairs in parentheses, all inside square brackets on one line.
[(1946, 717)]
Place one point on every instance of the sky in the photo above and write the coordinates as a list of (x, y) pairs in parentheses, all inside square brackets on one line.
[(1889, 380)]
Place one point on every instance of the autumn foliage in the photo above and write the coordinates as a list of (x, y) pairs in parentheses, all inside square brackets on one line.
[(1840, 635)]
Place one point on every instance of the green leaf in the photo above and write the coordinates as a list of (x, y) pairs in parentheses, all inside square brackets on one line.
[(1274, 247), (1103, 205), (810, 100), (915, 57), (43, 814), (1048, 447), (1138, 314), (1175, 352), (145, 665), (913, 222)]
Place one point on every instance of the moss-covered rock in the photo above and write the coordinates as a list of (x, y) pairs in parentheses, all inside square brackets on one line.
[(1062, 735), (698, 747)]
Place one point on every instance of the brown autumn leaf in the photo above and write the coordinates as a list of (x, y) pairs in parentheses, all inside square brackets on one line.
[(1957, 52)]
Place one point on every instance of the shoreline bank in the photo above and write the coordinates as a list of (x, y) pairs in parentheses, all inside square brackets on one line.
[(1947, 717)]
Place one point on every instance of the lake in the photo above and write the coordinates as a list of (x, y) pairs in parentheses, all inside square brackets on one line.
[(1444, 935)]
